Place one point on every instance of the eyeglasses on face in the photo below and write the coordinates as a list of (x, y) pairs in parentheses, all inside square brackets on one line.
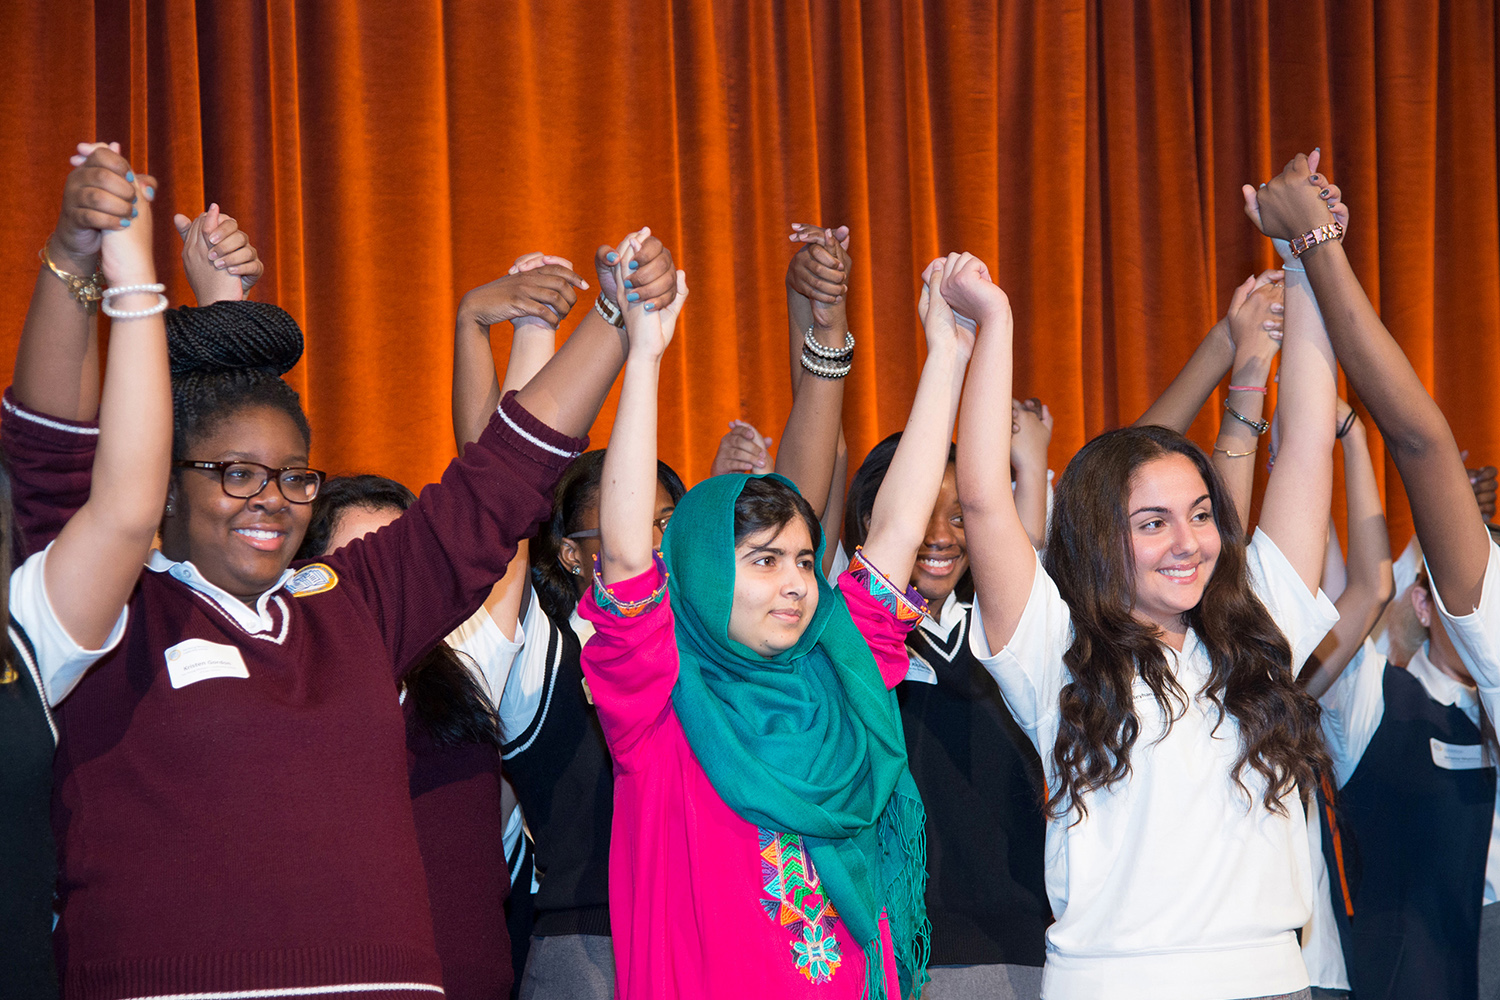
[(243, 480), (660, 524)]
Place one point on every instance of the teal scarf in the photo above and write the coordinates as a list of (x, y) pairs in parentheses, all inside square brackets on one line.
[(807, 742)]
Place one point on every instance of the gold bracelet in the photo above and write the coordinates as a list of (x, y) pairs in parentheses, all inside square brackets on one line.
[(1235, 454), (85, 290)]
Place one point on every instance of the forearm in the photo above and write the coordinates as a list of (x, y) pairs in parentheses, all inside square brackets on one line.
[(57, 362), (569, 390), (1421, 444), (476, 390), (1031, 503), (1369, 563), (809, 444), (1179, 405), (799, 317), (833, 514), (903, 506), (1300, 490), (1235, 448), (627, 493)]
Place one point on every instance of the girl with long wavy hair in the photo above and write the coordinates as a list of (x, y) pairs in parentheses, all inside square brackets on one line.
[(1152, 659)]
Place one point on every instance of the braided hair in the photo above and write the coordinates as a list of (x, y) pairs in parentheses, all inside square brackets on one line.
[(227, 357)]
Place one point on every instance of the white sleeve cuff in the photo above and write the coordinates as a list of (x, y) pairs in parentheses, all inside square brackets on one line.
[(1476, 635), (1303, 617), (61, 661)]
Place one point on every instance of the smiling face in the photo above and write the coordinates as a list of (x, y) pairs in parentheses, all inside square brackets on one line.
[(943, 557), (775, 588), (241, 545), (1173, 538)]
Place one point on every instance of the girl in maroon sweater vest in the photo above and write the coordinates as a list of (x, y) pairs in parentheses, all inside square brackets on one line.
[(232, 807), (66, 602)]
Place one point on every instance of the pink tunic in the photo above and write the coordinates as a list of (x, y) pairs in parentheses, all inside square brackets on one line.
[(695, 892)]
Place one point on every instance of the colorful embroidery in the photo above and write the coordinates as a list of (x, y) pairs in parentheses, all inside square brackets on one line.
[(629, 609), (795, 898), (907, 606)]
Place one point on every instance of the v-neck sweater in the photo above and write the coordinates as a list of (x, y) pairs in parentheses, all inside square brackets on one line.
[(247, 826)]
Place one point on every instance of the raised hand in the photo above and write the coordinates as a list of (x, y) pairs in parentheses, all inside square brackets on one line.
[(743, 449), (125, 253), (1296, 201), (651, 278), (819, 272), (1483, 481), (221, 264), (939, 321), (100, 195), (1255, 314), (1031, 433), (538, 288), (649, 327), (967, 288)]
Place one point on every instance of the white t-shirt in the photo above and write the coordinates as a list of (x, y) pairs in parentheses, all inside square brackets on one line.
[(1176, 885), (61, 662)]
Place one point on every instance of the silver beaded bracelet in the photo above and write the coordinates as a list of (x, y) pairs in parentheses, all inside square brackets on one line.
[(822, 369), (118, 290), (840, 354)]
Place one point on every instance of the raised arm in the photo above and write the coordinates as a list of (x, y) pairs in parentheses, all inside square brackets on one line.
[(95, 561), (1223, 350), (1001, 556), (1031, 433), (534, 296), (1369, 582), (817, 283), (221, 264), (1300, 488), (1255, 323), (904, 503), (627, 491), (569, 390), (57, 364)]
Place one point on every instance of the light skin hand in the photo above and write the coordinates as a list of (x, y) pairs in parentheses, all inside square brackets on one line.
[(742, 449), (217, 272)]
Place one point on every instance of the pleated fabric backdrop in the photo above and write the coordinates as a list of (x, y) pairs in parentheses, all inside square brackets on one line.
[(387, 155)]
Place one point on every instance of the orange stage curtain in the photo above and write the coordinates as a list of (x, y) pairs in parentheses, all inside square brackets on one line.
[(387, 156)]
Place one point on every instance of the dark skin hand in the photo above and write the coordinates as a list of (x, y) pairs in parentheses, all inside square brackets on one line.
[(653, 275)]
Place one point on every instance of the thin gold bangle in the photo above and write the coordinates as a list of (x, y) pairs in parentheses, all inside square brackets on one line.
[(1235, 454)]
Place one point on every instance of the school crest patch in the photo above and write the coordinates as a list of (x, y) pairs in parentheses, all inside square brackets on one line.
[(316, 578)]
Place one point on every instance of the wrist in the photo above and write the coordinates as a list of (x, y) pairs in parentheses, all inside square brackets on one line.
[(68, 260), (1251, 368), (130, 276)]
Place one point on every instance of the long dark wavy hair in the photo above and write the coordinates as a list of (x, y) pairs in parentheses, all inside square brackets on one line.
[(445, 696), (1089, 557)]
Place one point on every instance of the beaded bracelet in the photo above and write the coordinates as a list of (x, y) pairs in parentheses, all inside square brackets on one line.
[(628, 609), (822, 370), (1258, 426), (907, 605), (118, 290), (811, 343)]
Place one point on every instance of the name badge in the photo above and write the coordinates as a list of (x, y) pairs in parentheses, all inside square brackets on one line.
[(919, 671), (1457, 756), (194, 660)]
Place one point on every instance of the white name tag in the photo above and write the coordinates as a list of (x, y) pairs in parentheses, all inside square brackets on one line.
[(1457, 756), (920, 672), (194, 660)]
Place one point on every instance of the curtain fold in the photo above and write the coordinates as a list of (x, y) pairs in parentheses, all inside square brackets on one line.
[(387, 156)]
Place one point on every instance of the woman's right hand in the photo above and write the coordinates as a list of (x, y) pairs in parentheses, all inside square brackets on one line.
[(99, 197), (125, 254), (648, 326)]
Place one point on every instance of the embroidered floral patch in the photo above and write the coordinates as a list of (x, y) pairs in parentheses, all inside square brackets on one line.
[(795, 898)]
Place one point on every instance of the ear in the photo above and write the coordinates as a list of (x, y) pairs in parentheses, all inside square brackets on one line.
[(570, 557), (1421, 603), (171, 508)]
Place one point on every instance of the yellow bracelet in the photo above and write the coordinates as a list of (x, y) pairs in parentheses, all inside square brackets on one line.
[(85, 290)]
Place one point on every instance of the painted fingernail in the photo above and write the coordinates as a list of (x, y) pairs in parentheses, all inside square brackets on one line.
[(134, 212), (633, 297), (219, 265), (628, 284), (611, 257), (650, 306), (634, 264), (124, 223), (130, 176), (150, 192)]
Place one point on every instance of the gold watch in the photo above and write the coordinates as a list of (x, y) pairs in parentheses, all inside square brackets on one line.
[(85, 290), (1311, 238)]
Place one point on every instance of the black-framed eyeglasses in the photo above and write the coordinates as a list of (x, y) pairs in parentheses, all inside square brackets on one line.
[(660, 524), (243, 480)]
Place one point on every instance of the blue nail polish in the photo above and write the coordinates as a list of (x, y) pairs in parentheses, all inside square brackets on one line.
[(124, 223), (628, 284), (633, 297), (150, 192), (650, 306), (611, 257), (130, 176), (134, 212), (634, 264)]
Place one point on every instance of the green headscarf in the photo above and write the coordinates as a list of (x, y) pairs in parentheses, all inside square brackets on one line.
[(808, 741)]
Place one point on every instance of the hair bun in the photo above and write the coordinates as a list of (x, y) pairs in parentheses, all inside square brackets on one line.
[(232, 336)]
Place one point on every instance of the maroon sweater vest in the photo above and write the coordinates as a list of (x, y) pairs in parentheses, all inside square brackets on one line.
[(256, 833)]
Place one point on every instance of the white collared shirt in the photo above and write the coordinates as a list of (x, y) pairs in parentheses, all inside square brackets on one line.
[(256, 620)]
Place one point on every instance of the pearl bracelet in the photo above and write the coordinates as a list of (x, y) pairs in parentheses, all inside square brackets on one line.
[(835, 354), (824, 370), (118, 290)]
